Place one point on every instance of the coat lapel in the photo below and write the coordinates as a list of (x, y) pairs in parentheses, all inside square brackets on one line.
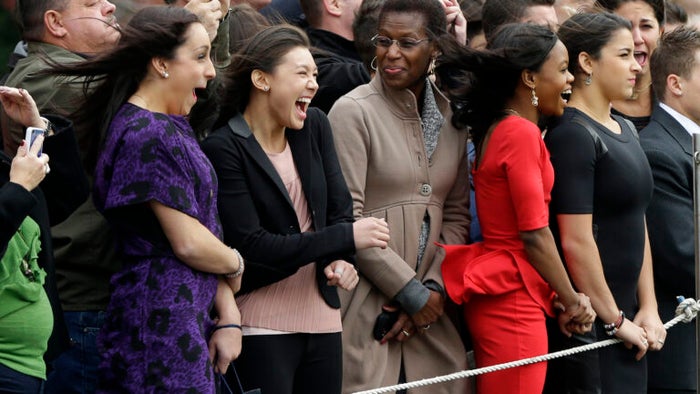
[(239, 127), (674, 129)]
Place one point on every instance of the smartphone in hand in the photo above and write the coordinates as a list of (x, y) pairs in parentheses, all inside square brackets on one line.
[(30, 136)]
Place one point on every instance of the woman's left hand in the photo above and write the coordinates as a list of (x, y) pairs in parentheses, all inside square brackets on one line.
[(20, 107), (224, 347), (456, 22), (431, 312), (650, 321), (342, 274)]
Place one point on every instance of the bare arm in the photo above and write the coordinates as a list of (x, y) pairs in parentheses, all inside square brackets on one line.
[(193, 243), (648, 315), (542, 254), (225, 343), (586, 269)]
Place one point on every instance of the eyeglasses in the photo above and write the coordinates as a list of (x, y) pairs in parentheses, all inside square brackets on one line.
[(404, 43)]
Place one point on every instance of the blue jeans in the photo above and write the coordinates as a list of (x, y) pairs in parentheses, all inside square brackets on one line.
[(13, 382), (75, 371)]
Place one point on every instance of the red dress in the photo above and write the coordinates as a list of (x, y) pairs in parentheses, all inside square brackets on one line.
[(505, 299)]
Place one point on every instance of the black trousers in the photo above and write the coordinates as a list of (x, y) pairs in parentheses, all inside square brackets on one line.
[(290, 364)]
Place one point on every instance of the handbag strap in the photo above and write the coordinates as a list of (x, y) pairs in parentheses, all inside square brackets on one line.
[(225, 383)]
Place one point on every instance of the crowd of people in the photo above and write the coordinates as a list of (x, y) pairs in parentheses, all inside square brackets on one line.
[(316, 196)]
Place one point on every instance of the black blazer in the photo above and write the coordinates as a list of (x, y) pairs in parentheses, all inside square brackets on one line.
[(668, 147), (256, 211)]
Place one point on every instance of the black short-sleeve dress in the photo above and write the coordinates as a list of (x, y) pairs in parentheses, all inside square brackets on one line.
[(607, 175)]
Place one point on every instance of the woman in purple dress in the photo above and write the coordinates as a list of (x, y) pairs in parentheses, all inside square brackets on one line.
[(158, 191)]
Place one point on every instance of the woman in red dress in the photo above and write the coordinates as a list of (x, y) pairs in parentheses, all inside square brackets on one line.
[(509, 281)]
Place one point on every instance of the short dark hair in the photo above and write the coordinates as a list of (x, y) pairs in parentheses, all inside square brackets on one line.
[(30, 14), (657, 5), (496, 13), (432, 11), (674, 55), (364, 27), (117, 73), (313, 11), (263, 52), (482, 81), (589, 32)]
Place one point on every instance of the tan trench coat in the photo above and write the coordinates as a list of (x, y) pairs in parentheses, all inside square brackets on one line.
[(380, 146)]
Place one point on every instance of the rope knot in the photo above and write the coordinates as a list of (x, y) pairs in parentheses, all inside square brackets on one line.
[(688, 308)]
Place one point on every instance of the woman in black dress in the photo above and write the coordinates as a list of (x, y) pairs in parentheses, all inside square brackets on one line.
[(602, 187)]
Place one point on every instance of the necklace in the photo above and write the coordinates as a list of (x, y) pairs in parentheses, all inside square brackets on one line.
[(511, 111)]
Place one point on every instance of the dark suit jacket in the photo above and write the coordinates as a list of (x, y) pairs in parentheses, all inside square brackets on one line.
[(257, 214), (668, 147)]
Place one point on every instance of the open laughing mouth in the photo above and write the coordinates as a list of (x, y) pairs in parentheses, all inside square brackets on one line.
[(566, 95), (641, 58), (302, 104)]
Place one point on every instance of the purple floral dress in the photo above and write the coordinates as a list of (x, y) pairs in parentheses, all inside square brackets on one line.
[(157, 326)]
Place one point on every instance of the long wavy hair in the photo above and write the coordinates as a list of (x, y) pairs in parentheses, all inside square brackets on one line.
[(109, 79)]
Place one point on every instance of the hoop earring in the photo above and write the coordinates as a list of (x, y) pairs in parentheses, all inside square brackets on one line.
[(535, 100), (587, 81), (373, 64)]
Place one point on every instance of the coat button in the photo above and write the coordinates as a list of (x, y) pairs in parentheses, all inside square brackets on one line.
[(426, 189)]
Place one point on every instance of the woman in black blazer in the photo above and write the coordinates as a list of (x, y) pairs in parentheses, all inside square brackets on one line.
[(284, 204)]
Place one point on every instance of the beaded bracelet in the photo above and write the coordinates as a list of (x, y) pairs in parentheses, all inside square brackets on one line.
[(238, 326), (612, 328), (240, 269)]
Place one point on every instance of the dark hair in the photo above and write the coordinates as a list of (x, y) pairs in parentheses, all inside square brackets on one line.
[(432, 11), (364, 27), (675, 14), (30, 14), (244, 22), (656, 5), (496, 13), (110, 78), (313, 11), (589, 32), (264, 52), (674, 55), (488, 78)]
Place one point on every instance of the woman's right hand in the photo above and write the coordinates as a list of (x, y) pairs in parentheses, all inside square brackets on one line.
[(633, 335), (576, 318), (370, 232), (28, 168)]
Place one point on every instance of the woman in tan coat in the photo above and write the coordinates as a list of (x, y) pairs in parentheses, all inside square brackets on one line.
[(404, 162)]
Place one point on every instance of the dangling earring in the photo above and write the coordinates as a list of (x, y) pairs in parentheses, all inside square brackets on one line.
[(431, 66), (373, 64), (535, 99), (165, 74), (588, 81)]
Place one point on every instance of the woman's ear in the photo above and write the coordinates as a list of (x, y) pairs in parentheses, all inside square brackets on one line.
[(260, 80), (585, 63), (529, 78), (160, 66)]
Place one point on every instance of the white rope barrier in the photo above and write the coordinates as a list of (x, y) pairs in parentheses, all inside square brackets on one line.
[(686, 311)]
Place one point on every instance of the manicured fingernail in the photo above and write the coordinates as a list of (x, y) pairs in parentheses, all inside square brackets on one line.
[(22, 144)]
